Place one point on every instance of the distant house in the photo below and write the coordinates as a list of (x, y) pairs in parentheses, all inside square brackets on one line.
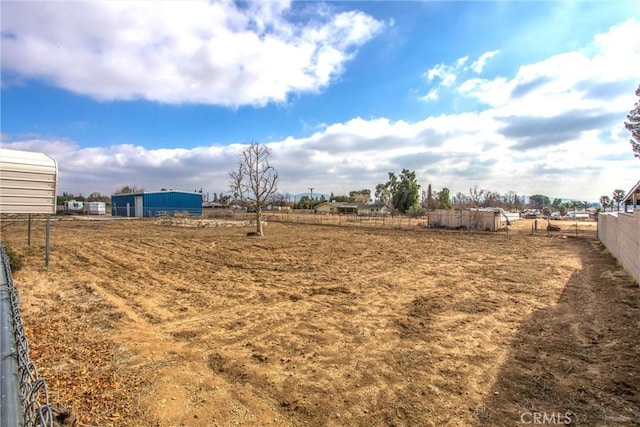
[(337, 208), (632, 199), (351, 208), (150, 204), (373, 210)]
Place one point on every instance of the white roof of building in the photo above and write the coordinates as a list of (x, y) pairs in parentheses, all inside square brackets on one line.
[(28, 182)]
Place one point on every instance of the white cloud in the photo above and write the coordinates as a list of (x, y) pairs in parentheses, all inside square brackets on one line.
[(597, 77), (432, 95), (478, 64), (554, 128), (176, 52), (447, 75)]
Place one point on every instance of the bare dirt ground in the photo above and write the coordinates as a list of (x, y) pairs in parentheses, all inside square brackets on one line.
[(141, 324)]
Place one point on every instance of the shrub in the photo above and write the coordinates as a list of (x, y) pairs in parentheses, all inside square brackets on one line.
[(15, 260)]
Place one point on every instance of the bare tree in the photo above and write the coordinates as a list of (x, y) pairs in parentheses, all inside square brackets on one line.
[(491, 198), (475, 196), (460, 201), (130, 189), (255, 179), (280, 199)]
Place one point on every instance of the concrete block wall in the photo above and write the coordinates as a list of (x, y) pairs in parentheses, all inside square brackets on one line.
[(620, 233)]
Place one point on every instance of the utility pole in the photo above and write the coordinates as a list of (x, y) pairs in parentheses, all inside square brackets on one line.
[(311, 191)]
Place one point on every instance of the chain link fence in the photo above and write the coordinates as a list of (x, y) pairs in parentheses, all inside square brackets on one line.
[(563, 228), (24, 399)]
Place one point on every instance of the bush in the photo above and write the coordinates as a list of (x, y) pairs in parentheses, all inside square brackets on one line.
[(15, 260)]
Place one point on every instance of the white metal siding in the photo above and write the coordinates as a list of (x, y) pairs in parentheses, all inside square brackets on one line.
[(96, 208), (471, 219), (27, 182)]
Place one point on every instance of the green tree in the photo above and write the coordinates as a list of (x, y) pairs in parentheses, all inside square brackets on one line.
[(633, 126), (361, 196), (605, 201), (402, 192), (444, 200), (564, 208), (573, 205), (407, 192), (305, 202), (342, 199), (538, 201), (618, 197), (429, 201), (384, 192)]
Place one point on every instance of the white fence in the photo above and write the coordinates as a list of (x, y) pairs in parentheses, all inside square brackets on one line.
[(620, 233)]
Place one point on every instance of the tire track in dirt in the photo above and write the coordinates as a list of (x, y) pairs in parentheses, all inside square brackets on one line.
[(316, 325), (185, 382)]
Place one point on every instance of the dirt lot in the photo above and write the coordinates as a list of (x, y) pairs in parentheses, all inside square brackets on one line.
[(140, 324)]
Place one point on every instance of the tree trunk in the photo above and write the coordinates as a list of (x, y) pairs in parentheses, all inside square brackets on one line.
[(259, 221)]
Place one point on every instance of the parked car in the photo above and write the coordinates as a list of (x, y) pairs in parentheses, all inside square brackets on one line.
[(555, 215), (531, 215)]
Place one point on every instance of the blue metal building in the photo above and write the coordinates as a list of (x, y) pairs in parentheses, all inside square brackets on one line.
[(150, 204)]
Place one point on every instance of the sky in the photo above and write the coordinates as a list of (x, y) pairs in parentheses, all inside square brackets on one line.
[(517, 96)]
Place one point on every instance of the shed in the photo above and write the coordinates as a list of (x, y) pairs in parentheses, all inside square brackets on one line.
[(487, 219), (156, 203), (28, 182), (96, 208)]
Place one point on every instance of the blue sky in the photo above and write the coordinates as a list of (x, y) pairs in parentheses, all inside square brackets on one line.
[(506, 95)]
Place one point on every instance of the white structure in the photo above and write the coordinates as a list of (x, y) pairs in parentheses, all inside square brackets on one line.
[(485, 219), (28, 182), (620, 233), (96, 208)]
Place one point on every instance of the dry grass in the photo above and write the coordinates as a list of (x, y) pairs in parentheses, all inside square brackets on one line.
[(136, 323)]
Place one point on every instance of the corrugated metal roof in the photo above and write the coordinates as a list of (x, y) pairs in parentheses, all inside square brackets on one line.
[(140, 193)]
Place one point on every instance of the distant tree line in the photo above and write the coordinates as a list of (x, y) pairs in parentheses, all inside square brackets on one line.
[(615, 200), (93, 197), (402, 194)]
